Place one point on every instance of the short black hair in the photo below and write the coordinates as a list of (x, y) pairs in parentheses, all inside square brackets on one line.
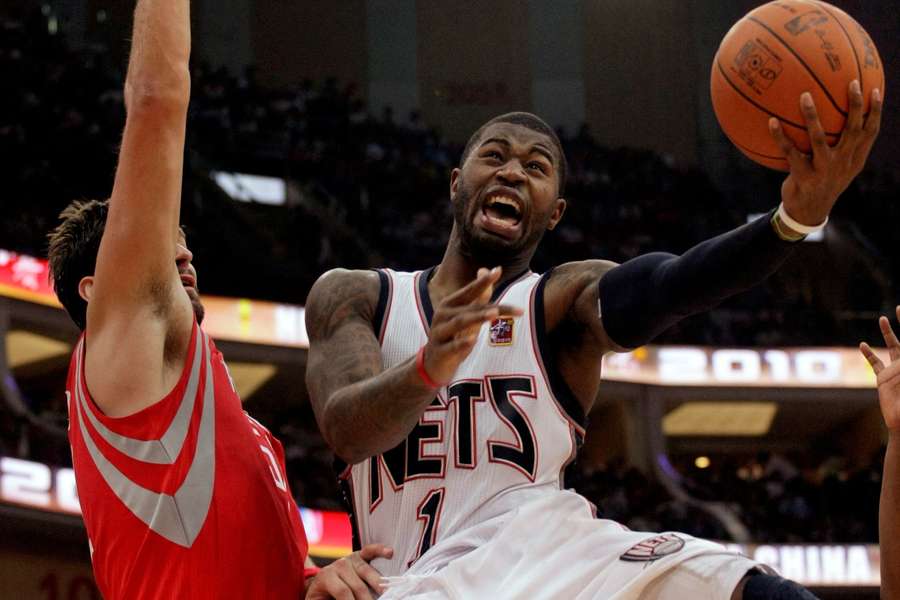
[(74, 245), (532, 122)]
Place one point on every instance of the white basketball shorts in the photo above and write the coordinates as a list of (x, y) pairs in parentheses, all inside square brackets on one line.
[(553, 548)]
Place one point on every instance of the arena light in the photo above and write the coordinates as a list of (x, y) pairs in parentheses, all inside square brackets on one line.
[(252, 188), (25, 347), (732, 419), (249, 377)]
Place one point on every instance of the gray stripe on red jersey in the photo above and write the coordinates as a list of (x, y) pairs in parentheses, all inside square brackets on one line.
[(166, 449), (179, 517)]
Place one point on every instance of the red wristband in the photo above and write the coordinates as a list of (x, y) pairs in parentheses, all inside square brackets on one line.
[(420, 367)]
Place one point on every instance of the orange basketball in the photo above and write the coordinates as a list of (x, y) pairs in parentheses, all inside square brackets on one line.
[(774, 54)]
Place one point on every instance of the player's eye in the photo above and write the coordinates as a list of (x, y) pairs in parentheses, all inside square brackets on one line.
[(537, 166), (492, 154)]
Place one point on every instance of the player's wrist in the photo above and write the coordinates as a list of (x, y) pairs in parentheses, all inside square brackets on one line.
[(422, 370), (791, 230)]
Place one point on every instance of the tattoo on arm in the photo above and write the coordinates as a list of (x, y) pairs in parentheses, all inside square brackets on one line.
[(362, 409), (572, 297)]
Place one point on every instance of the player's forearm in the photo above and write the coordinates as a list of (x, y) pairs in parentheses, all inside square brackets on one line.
[(889, 521), (160, 50), (641, 298), (146, 197), (374, 415)]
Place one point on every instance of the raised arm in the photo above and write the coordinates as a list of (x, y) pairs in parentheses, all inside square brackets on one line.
[(888, 377), (139, 317), (363, 409), (628, 305)]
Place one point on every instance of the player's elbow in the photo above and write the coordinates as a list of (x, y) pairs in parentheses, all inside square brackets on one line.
[(347, 442), (344, 448), (151, 97)]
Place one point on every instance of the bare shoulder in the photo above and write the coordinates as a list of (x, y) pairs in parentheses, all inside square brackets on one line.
[(582, 271), (570, 280), (570, 301), (338, 295)]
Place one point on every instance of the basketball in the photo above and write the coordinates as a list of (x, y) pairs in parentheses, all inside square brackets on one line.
[(774, 54)]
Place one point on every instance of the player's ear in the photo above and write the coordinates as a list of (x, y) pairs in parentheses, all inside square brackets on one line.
[(454, 182), (85, 287), (557, 213)]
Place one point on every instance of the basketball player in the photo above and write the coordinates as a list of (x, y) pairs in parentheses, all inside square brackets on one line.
[(456, 434), (889, 509), (183, 494)]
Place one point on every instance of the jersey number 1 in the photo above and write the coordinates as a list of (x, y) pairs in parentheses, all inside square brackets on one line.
[(429, 513)]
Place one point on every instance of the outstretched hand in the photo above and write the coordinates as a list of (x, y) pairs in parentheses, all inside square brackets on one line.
[(815, 181), (888, 376), (457, 321), (350, 578)]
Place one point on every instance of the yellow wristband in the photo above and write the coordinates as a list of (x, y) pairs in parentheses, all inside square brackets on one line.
[(783, 231)]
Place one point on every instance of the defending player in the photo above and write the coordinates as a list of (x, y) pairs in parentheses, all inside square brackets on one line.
[(183, 494), (889, 508), (456, 434)]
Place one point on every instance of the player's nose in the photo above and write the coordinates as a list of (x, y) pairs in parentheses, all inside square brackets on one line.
[(511, 173), (183, 255)]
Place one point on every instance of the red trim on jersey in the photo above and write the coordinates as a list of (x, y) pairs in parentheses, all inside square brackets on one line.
[(387, 308), (572, 454), (421, 309), (537, 357), (524, 414)]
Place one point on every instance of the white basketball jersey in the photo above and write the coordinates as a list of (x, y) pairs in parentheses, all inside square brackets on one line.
[(502, 431)]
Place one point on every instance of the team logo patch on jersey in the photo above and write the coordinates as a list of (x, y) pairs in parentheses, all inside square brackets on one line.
[(654, 548), (502, 331)]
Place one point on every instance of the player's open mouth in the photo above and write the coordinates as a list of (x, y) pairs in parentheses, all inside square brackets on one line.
[(501, 214), (188, 281)]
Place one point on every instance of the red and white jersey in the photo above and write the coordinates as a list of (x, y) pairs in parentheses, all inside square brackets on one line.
[(499, 434), (187, 498)]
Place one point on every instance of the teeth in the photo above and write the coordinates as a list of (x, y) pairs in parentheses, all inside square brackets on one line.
[(503, 200)]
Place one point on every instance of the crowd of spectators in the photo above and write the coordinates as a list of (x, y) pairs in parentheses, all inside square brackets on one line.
[(794, 497), (372, 190)]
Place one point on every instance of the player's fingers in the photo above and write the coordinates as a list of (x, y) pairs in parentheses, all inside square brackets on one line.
[(507, 310), (475, 288), (870, 130), (468, 320), (333, 585), (460, 345), (870, 356), (855, 117), (890, 338), (351, 579), (873, 121), (370, 552), (814, 129), (797, 161), (463, 320), (370, 576)]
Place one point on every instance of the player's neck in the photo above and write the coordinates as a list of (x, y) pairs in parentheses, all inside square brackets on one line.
[(456, 270)]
